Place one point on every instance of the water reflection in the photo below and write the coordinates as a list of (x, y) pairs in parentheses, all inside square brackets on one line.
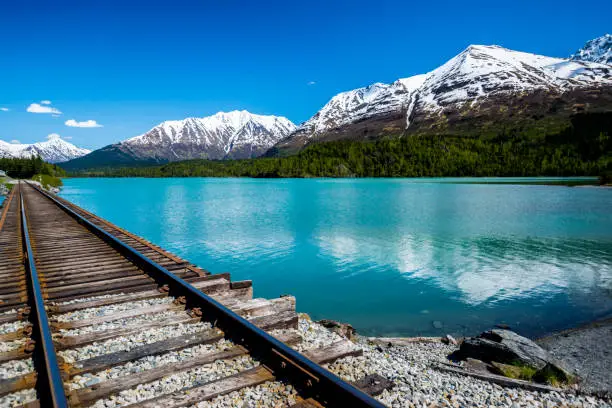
[(389, 256), (484, 270)]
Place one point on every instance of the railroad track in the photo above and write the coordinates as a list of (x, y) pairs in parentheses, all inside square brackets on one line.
[(91, 315)]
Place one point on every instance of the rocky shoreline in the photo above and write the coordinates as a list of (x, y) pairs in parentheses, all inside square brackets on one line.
[(414, 365)]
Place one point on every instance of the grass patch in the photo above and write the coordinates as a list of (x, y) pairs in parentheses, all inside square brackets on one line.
[(516, 371), (550, 374), (48, 181)]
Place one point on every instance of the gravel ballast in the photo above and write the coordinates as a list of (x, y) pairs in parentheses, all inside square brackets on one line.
[(19, 398), (179, 381), (110, 309), (130, 342), (16, 368)]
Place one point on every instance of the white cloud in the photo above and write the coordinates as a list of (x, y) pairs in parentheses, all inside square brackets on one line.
[(38, 108), (67, 137), (15, 141), (52, 136), (4, 109), (312, 83), (85, 124), (45, 102)]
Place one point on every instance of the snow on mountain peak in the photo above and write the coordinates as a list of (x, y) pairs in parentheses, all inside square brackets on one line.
[(596, 50), (213, 137), (476, 73), (351, 106), (53, 150)]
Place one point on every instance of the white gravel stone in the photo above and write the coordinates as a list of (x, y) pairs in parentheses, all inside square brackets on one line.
[(119, 323), (179, 381), (148, 363), (314, 335), (11, 345), (130, 342), (110, 309), (16, 368), (19, 398), (418, 384), (87, 299), (273, 394), (12, 326)]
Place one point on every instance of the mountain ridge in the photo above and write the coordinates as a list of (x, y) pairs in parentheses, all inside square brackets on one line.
[(224, 135), (55, 150), (464, 92), (596, 50)]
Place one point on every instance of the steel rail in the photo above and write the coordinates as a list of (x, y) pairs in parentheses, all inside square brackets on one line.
[(49, 383), (308, 377)]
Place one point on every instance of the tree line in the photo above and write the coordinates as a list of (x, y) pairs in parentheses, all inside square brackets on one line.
[(582, 148), (28, 167)]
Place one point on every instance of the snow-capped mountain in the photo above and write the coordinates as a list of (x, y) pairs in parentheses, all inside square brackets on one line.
[(54, 150), (236, 134), (489, 83), (225, 135), (596, 50)]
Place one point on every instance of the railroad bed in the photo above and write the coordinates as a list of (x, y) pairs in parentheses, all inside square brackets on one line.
[(91, 315)]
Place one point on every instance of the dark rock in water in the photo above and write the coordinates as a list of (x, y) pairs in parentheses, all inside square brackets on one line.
[(343, 329), (374, 384), (437, 324), (505, 346), (503, 326)]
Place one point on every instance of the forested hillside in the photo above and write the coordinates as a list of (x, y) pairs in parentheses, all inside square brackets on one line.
[(26, 168), (582, 148)]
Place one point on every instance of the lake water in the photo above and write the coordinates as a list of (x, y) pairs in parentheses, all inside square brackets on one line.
[(392, 257)]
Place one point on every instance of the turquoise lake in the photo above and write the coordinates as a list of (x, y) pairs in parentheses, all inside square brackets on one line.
[(392, 257)]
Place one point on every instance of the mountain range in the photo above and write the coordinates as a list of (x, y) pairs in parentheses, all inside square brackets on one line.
[(54, 150), (479, 91), (483, 90), (231, 135)]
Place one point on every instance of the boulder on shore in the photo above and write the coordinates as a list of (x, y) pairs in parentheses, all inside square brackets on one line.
[(513, 351), (343, 329), (505, 346)]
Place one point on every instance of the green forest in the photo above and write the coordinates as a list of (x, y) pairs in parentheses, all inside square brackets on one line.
[(582, 148), (33, 168)]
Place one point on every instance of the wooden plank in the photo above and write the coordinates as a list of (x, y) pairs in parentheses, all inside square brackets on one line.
[(309, 403), (498, 379), (82, 289), (99, 276), (117, 290), (85, 266), (248, 378), (283, 320), (85, 396), (214, 285), (374, 384), (17, 354), (15, 384), (334, 351), (175, 343)]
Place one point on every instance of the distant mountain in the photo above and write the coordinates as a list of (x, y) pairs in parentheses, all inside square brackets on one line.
[(596, 50), (232, 135), (479, 91), (54, 150)]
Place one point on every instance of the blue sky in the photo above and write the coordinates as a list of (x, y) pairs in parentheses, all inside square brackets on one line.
[(130, 64)]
